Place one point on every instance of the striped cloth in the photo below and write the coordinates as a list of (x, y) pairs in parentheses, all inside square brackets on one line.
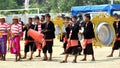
[(16, 28), (39, 28), (3, 27)]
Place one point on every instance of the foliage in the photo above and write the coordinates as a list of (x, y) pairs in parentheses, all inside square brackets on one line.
[(53, 6)]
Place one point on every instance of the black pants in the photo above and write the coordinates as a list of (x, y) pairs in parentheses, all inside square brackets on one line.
[(65, 45), (30, 46), (89, 49), (48, 47), (72, 50), (116, 45)]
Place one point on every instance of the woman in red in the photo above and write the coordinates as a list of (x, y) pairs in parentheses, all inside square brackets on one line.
[(4, 28), (16, 30)]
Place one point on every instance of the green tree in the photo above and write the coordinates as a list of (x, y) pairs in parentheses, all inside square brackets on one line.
[(53, 6), (8, 4)]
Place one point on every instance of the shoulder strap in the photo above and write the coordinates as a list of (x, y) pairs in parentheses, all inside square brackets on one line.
[(35, 27), (70, 34)]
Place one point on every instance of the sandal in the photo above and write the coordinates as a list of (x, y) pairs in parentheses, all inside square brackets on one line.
[(74, 61), (109, 56), (93, 60), (44, 59), (38, 56), (23, 58), (30, 58), (63, 61), (83, 60)]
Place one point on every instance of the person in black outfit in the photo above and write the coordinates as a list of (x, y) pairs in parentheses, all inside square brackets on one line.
[(29, 42), (42, 20), (64, 37), (49, 32), (72, 33), (116, 26), (22, 23), (88, 33), (80, 23), (64, 42)]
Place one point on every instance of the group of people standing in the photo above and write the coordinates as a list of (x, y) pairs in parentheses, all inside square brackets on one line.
[(73, 45), (15, 31), (45, 26)]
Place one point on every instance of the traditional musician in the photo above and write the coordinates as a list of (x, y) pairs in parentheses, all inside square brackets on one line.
[(39, 27), (4, 28), (88, 33), (72, 35), (35, 44), (49, 32), (116, 26), (42, 21), (16, 30), (29, 41)]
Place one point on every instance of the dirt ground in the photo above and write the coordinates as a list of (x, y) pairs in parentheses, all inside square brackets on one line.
[(100, 55)]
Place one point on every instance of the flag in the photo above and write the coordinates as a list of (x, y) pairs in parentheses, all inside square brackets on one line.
[(26, 4)]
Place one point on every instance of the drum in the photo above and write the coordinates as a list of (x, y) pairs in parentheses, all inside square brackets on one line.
[(37, 36)]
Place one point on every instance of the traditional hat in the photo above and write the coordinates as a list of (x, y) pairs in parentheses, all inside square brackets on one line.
[(2, 16), (67, 15), (15, 17)]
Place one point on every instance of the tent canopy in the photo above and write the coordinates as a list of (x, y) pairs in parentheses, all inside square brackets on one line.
[(109, 8)]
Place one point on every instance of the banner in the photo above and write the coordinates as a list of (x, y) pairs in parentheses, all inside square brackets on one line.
[(26, 4)]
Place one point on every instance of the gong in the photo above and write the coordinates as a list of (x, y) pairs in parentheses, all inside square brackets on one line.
[(104, 31)]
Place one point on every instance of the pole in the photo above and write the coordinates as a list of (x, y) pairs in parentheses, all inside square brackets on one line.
[(26, 4), (111, 1), (38, 11)]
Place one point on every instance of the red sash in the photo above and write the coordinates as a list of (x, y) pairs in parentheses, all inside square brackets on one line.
[(72, 43), (64, 39), (27, 41), (117, 39), (48, 39), (85, 42)]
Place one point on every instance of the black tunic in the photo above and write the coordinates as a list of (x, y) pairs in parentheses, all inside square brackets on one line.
[(26, 30), (117, 31), (88, 34), (88, 31), (50, 34), (75, 30), (74, 36), (30, 44), (117, 28)]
